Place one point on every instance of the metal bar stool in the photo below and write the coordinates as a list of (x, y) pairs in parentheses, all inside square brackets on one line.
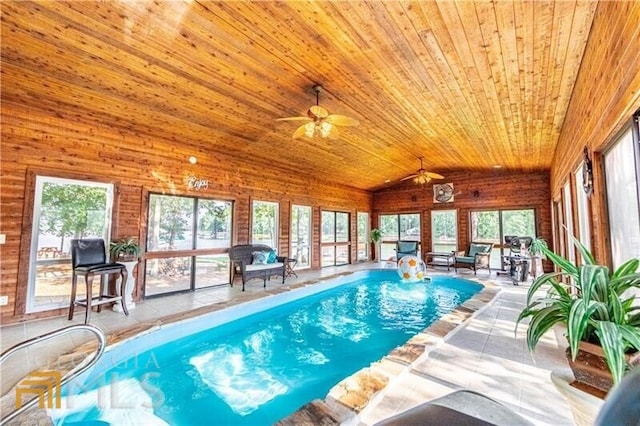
[(89, 258)]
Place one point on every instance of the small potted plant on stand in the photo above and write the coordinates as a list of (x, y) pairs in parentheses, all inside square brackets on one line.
[(376, 237), (126, 251)]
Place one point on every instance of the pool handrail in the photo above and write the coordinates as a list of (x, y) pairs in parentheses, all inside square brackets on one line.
[(102, 343)]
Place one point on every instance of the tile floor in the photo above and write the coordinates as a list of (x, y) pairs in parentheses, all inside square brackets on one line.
[(483, 355)]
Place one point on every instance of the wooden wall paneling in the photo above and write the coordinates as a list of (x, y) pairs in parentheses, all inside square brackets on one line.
[(497, 190), (138, 164), (604, 99)]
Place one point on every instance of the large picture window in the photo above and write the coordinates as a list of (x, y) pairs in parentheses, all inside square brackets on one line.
[(394, 227), (622, 169), (335, 243), (187, 243), (63, 209)]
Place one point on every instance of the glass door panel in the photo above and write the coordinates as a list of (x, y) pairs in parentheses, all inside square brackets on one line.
[(167, 275), (214, 224), (212, 270), (301, 235), (64, 209), (328, 256)]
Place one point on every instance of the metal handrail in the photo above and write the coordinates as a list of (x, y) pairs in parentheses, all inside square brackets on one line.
[(102, 343)]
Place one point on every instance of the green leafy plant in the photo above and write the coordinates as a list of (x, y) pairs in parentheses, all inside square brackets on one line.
[(376, 235), (537, 246), (126, 247), (600, 310)]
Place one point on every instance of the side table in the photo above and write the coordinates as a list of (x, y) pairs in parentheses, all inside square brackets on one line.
[(435, 258), (290, 263)]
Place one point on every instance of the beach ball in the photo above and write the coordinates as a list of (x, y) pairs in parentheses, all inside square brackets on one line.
[(411, 268)]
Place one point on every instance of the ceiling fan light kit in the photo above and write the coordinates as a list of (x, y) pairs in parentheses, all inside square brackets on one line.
[(422, 176), (319, 122)]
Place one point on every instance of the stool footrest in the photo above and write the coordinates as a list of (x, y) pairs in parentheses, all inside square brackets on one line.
[(99, 300)]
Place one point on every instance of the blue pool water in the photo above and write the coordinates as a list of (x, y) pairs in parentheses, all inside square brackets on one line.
[(263, 367)]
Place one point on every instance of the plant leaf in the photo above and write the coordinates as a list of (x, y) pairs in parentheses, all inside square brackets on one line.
[(611, 341)]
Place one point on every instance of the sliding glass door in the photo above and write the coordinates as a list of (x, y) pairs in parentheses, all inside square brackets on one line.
[(187, 243)]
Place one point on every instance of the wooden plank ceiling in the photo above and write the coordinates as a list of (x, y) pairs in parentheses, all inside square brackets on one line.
[(467, 85)]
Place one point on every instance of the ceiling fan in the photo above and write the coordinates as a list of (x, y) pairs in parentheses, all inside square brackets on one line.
[(319, 121), (422, 176)]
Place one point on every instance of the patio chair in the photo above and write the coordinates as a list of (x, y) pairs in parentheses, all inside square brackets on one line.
[(476, 257), (404, 248)]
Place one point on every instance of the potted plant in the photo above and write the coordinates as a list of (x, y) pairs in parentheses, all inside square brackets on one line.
[(124, 249), (376, 236), (597, 308), (537, 254)]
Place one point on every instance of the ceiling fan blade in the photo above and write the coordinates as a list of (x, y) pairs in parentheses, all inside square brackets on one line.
[(299, 132), (317, 111), (409, 177), (293, 119), (341, 120), (433, 175)]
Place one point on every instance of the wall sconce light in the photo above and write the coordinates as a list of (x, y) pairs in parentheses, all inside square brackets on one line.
[(476, 194), (414, 198)]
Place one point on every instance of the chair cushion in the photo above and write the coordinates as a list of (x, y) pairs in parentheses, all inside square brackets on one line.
[(406, 247), (260, 257), (257, 267), (272, 257), (100, 268), (478, 249), (465, 259)]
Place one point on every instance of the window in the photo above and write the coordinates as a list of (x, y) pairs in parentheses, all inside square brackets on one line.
[(264, 223), (582, 207), (187, 241), (444, 230), (396, 227), (301, 235), (492, 226), (568, 222), (363, 236), (63, 209), (335, 243), (622, 170)]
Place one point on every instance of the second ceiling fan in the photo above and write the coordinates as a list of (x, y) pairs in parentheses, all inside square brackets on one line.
[(319, 122), (422, 176)]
